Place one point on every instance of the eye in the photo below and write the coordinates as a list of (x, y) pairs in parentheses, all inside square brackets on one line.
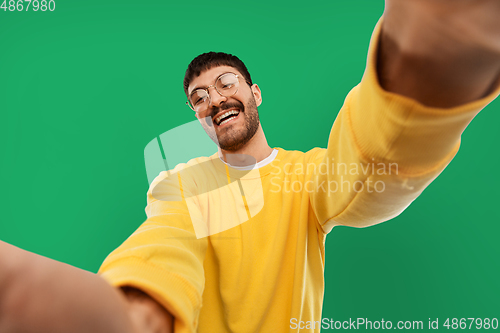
[(227, 81), (199, 100), (198, 97), (228, 85)]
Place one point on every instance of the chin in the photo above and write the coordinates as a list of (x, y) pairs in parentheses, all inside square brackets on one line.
[(233, 144)]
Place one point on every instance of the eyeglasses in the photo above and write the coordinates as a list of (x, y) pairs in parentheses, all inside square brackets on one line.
[(226, 85)]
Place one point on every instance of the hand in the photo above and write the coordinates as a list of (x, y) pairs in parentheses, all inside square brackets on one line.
[(472, 23), (442, 53)]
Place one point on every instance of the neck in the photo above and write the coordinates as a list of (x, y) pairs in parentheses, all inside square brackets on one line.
[(254, 151)]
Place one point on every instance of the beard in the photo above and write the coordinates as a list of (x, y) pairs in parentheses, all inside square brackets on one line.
[(231, 139)]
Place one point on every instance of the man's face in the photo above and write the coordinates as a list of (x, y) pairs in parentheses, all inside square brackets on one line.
[(234, 131)]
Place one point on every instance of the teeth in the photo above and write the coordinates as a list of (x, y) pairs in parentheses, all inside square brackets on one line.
[(225, 115), (225, 121)]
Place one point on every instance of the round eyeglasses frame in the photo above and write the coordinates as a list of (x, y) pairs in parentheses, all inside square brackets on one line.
[(208, 93)]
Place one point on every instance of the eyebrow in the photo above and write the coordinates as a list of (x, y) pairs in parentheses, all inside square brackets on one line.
[(198, 87), (205, 87)]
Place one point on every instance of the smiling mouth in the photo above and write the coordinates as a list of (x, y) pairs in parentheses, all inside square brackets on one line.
[(226, 117)]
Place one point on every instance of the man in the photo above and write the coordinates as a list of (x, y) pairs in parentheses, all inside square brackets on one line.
[(432, 66)]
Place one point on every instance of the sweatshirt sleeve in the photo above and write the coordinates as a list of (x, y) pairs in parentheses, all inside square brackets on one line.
[(384, 149), (164, 258)]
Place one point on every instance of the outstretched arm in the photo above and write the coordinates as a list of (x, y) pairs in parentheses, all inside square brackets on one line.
[(38, 294), (155, 275), (432, 66)]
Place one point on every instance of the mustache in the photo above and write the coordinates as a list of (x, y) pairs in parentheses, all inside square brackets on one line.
[(227, 106)]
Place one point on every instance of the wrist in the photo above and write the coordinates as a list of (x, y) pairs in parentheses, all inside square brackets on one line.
[(146, 314)]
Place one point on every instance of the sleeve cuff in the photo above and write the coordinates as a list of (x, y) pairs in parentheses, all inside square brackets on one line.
[(171, 291), (388, 127)]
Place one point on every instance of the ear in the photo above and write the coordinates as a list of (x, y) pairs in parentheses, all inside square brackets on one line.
[(256, 94)]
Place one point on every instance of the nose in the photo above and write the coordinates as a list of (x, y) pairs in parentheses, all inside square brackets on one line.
[(216, 99)]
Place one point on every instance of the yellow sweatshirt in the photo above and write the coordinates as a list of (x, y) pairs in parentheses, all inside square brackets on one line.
[(234, 251)]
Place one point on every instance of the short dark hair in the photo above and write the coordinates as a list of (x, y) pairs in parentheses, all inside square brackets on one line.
[(206, 61)]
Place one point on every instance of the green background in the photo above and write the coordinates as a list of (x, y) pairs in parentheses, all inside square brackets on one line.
[(83, 89)]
